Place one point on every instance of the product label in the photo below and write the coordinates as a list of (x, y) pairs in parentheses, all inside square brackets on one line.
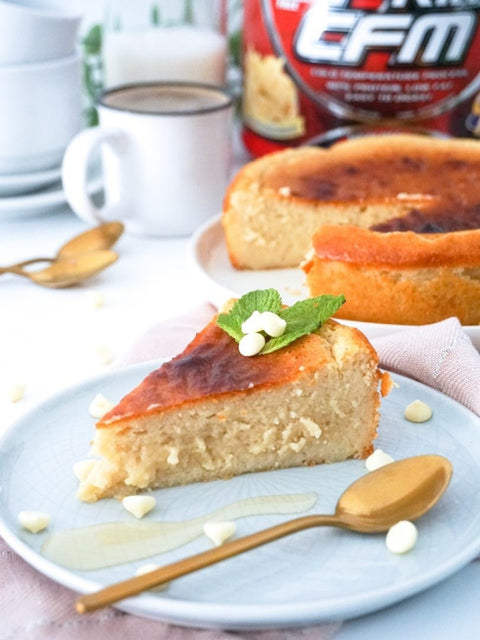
[(334, 62)]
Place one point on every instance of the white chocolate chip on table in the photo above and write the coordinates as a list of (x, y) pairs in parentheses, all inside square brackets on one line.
[(34, 521), (16, 391), (219, 532), (418, 411), (402, 537), (104, 354), (95, 299), (377, 459), (138, 505)]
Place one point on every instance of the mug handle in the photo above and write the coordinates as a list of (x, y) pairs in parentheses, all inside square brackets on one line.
[(75, 164)]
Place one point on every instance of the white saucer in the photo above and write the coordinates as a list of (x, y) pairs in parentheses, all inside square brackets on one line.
[(210, 263), (42, 201), (22, 183)]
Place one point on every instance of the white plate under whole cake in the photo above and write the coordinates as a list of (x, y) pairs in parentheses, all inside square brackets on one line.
[(306, 578), (210, 263)]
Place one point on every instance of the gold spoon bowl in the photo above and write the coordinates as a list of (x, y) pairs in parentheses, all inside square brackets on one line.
[(403, 490)]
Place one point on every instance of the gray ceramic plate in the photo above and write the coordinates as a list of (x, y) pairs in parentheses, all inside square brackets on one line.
[(313, 576)]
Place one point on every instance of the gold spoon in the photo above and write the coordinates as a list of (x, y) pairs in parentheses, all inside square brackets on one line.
[(402, 490), (78, 259), (102, 237), (66, 272)]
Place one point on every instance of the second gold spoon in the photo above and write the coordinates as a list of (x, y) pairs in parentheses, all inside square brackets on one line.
[(402, 490)]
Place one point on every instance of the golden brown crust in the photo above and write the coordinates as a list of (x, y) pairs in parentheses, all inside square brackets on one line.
[(410, 296), (211, 366), (432, 173), (363, 247)]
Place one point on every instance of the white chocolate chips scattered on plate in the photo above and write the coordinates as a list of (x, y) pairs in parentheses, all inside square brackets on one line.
[(34, 521), (402, 537), (418, 411), (138, 506), (219, 532), (99, 406), (377, 459)]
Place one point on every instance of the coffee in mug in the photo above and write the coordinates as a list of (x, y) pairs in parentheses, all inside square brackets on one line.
[(166, 155)]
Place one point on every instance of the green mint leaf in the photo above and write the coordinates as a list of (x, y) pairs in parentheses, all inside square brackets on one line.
[(303, 318), (259, 300)]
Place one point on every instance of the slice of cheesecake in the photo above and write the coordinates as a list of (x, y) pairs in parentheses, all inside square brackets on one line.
[(212, 413)]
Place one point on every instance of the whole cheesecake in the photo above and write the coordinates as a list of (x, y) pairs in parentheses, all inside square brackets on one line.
[(406, 248), (213, 413)]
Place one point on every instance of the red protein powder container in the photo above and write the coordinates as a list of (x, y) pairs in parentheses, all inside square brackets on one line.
[(316, 71)]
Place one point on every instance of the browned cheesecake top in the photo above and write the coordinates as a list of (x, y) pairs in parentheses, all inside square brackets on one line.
[(440, 180), (212, 365), (365, 247)]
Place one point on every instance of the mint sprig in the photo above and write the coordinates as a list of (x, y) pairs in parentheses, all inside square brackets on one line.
[(266, 300), (302, 318)]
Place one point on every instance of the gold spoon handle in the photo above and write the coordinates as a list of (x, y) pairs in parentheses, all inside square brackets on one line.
[(17, 267), (16, 270), (133, 586)]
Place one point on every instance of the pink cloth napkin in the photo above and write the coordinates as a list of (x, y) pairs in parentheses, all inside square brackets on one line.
[(33, 607)]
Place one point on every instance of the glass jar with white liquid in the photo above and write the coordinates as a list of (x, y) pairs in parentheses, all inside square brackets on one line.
[(151, 40)]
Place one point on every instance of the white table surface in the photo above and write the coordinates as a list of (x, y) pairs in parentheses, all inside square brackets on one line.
[(48, 340)]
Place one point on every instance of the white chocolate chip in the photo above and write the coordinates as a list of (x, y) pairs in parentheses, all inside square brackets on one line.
[(402, 537), (219, 532), (99, 406), (82, 468), (251, 344), (34, 521), (95, 299), (147, 568), (16, 391), (285, 191), (253, 323), (138, 505), (418, 411), (104, 354), (272, 324), (377, 459)]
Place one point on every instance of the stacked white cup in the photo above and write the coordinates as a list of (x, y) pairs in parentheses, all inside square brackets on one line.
[(40, 91)]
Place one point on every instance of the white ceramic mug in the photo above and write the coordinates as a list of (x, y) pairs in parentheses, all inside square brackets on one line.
[(166, 154)]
